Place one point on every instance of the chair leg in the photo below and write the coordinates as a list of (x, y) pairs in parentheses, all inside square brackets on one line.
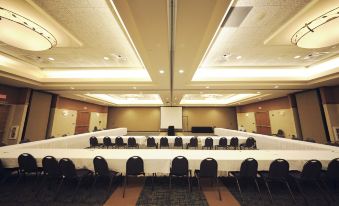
[(237, 181), (170, 182), (152, 181), (322, 191), (41, 185), (301, 191), (289, 189), (77, 188), (217, 183), (256, 183), (59, 187), (269, 191), (189, 184), (109, 185), (328, 190), (198, 182), (123, 194)]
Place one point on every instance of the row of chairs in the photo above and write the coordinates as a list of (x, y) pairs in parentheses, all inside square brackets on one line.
[(178, 143), (63, 169)]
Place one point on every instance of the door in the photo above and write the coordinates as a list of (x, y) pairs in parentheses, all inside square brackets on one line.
[(262, 121), (4, 111), (82, 123)]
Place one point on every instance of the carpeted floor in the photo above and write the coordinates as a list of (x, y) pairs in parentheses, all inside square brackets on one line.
[(25, 194)]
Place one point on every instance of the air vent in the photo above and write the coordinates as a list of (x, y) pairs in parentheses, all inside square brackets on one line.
[(236, 16)]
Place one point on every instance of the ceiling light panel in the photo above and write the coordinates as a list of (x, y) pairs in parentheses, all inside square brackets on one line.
[(214, 99), (129, 99)]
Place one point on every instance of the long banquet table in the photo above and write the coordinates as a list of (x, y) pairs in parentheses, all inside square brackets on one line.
[(158, 161)]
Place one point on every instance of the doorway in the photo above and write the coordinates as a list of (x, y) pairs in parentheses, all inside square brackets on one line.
[(82, 123), (262, 121)]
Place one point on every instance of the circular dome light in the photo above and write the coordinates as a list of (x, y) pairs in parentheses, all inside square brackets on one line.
[(20, 32), (320, 32)]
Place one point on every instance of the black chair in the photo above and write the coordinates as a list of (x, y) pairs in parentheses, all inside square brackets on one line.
[(68, 172), (107, 142), (248, 171), (5, 172), (50, 169), (27, 165), (119, 142), (132, 143), (208, 143), (93, 142), (222, 143), (164, 142), (193, 143), (178, 142), (249, 144), (278, 172), (331, 175), (310, 173), (151, 143), (101, 170), (179, 168), (234, 143), (208, 169), (134, 167)]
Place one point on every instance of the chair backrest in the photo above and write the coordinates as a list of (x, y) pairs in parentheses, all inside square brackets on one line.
[(209, 168), (194, 142), (223, 142), (131, 142), (333, 170), (134, 166), (151, 142), (234, 142), (249, 168), (163, 141), (208, 142), (27, 163), (107, 141), (93, 141), (178, 142), (2, 168), (250, 142), (311, 170), (279, 169), (100, 166), (179, 166), (119, 141), (50, 166), (67, 168)]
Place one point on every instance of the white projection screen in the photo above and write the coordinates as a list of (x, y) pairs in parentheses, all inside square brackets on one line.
[(171, 116)]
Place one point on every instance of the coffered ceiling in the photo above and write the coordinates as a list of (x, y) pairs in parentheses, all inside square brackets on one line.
[(171, 52)]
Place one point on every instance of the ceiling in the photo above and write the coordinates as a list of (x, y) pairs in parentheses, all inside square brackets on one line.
[(181, 52)]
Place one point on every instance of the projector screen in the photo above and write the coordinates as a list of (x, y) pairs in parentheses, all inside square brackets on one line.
[(171, 116)]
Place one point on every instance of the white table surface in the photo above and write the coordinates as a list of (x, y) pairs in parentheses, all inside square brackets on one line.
[(159, 160)]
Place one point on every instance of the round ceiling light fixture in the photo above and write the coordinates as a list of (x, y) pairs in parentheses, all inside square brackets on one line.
[(320, 32), (20, 32)]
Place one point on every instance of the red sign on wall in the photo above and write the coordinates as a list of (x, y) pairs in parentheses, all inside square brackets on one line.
[(3, 96)]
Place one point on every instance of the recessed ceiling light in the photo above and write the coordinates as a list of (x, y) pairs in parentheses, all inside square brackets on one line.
[(161, 71), (276, 86), (258, 92), (297, 57), (106, 58), (71, 87), (134, 87), (239, 57), (207, 87), (51, 58), (181, 71)]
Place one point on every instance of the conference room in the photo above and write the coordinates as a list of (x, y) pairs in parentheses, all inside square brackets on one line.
[(169, 102)]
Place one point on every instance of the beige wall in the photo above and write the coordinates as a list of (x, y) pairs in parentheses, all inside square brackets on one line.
[(134, 118), (332, 118), (148, 118), (224, 117), (38, 116), (310, 116), (247, 120), (283, 119), (16, 117), (97, 119), (62, 122)]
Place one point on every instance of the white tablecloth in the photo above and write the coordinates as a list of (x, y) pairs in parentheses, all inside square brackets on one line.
[(156, 160)]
